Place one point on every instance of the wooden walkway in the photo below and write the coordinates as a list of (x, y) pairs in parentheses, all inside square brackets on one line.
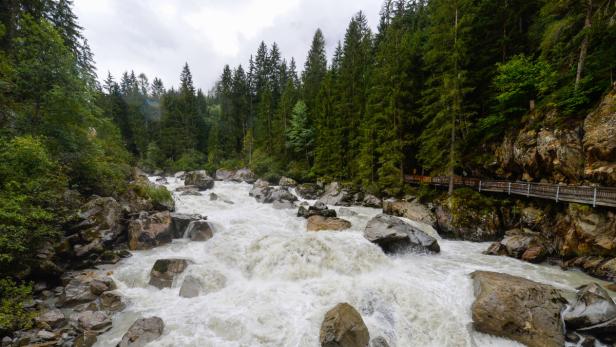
[(595, 196)]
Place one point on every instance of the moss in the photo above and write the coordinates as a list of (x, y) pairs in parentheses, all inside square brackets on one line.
[(13, 314), (469, 206), (155, 193)]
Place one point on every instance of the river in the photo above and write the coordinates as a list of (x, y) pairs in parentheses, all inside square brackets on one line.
[(271, 281)]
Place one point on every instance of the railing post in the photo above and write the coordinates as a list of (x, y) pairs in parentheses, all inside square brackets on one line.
[(557, 192), (594, 198), (509, 192), (480, 186), (528, 190)]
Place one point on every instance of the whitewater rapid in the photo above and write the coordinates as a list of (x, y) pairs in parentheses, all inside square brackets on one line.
[(270, 281)]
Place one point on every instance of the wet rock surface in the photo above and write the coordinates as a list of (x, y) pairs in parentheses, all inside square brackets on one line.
[(593, 312), (319, 223), (517, 309), (392, 234), (343, 326), (412, 210), (142, 332), (318, 209), (149, 231), (199, 179), (165, 271)]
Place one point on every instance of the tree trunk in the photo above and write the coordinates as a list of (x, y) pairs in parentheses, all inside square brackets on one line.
[(584, 47)]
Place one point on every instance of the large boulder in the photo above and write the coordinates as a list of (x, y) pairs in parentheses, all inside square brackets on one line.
[(412, 210), (336, 195), (181, 221), (244, 175), (51, 319), (318, 209), (592, 312), (99, 226), (260, 190), (142, 332), (149, 231), (199, 179), (319, 223), (83, 288), (522, 244), (280, 194), (517, 309), (309, 191), (370, 200), (469, 216), (224, 175), (93, 321), (287, 182), (112, 302), (200, 230), (343, 327), (165, 271), (393, 234)]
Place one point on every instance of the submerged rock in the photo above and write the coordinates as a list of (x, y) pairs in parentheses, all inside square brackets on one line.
[(517, 309), (165, 271), (343, 327), (204, 282), (181, 221), (319, 223), (149, 231), (142, 332), (392, 234), (199, 179)]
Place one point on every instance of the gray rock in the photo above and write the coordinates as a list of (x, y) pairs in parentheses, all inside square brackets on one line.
[(280, 194), (372, 201), (224, 175), (517, 309), (379, 341), (112, 302), (346, 212), (199, 179), (213, 196), (165, 271), (199, 230), (191, 287), (336, 195), (593, 306), (142, 332), (180, 175), (308, 191), (318, 209), (283, 205), (93, 320), (244, 175), (180, 222), (45, 335), (392, 234), (53, 318)]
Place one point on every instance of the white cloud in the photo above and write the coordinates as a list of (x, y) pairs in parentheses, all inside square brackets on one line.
[(158, 36)]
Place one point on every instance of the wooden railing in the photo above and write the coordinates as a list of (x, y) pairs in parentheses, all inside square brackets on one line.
[(595, 195)]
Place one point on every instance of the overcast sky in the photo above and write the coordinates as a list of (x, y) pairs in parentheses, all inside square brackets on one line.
[(158, 36)]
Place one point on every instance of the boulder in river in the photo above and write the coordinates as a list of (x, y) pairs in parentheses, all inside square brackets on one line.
[(343, 327), (412, 210), (224, 175), (287, 182), (93, 320), (164, 272), (393, 234), (309, 191), (181, 221), (283, 205), (142, 332), (199, 179), (370, 200), (517, 309), (112, 302), (244, 175), (319, 223), (149, 231), (336, 195), (280, 194), (203, 281), (318, 209), (592, 308), (51, 319), (260, 190), (199, 230)]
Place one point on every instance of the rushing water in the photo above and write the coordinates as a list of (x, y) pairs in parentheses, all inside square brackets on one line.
[(270, 281)]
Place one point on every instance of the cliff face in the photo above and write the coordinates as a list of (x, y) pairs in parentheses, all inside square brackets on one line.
[(570, 153)]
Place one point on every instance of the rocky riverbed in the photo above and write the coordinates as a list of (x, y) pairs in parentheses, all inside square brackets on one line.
[(263, 279)]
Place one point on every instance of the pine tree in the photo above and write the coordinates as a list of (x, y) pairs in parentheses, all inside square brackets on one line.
[(314, 72)]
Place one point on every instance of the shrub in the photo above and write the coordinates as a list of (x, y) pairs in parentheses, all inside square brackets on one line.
[(13, 315), (191, 160), (31, 212)]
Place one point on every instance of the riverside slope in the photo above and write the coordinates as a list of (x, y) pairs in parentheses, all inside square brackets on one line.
[(275, 281)]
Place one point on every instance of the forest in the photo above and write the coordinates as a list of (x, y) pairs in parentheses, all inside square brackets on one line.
[(428, 92)]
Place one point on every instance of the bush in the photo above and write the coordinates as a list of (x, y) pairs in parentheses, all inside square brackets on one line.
[(157, 194), (31, 212), (13, 315), (189, 161)]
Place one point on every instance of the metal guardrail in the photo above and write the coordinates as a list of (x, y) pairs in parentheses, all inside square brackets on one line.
[(595, 195)]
